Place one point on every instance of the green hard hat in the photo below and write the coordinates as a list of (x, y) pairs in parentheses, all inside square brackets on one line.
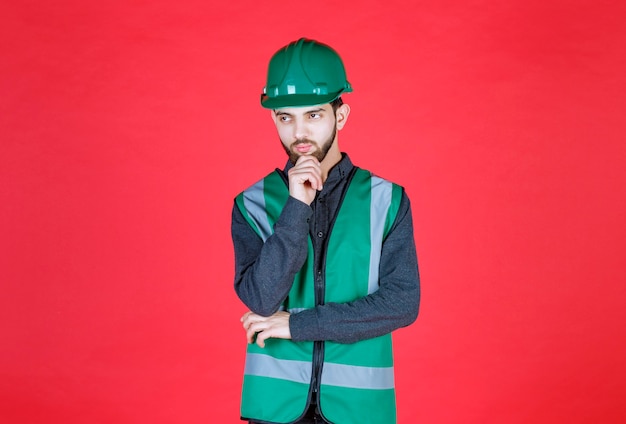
[(304, 73)]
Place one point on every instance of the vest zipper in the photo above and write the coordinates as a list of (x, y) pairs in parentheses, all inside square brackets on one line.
[(318, 346), (320, 293)]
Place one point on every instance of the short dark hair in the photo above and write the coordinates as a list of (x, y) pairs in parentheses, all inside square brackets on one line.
[(336, 103)]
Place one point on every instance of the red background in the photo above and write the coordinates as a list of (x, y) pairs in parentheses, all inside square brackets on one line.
[(128, 127)]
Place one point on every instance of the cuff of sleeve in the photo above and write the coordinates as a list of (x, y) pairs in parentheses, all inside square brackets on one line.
[(295, 216), (304, 326)]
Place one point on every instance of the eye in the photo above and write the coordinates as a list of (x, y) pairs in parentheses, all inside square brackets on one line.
[(284, 118), (315, 115)]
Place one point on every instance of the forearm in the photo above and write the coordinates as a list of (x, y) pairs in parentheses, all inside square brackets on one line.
[(394, 305), (264, 272)]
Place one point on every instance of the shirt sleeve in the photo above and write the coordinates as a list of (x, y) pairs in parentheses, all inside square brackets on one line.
[(264, 272), (395, 304)]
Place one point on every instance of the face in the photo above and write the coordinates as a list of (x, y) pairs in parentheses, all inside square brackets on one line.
[(309, 130)]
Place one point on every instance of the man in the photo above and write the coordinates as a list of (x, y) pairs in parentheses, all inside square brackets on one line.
[(325, 260)]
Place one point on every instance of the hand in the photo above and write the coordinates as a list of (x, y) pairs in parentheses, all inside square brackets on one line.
[(276, 326), (305, 179)]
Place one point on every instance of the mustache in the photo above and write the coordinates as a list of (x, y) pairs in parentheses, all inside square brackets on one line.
[(303, 141)]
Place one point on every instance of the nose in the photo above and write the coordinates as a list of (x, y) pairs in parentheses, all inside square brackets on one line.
[(300, 130)]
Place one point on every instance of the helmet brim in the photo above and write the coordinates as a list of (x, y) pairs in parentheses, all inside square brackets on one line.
[(297, 100)]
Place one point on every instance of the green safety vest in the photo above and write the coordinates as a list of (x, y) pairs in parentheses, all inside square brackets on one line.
[(357, 379)]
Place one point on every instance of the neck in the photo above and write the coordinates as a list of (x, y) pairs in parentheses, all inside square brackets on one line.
[(332, 158)]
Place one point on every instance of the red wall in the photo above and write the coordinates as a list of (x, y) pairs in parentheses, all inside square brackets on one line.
[(126, 129)]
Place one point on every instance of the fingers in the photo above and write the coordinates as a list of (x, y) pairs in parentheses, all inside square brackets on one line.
[(305, 179), (253, 324), (247, 321), (259, 328), (260, 338), (308, 169), (257, 331)]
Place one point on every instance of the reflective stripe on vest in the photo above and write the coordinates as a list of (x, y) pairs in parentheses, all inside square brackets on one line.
[(254, 202), (357, 382), (379, 205), (284, 369), (333, 374)]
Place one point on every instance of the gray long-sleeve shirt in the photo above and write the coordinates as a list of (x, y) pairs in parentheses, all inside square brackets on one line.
[(264, 272)]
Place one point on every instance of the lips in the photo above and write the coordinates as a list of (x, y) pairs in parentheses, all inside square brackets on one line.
[(303, 148)]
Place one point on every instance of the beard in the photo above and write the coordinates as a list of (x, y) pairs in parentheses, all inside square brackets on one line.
[(320, 151)]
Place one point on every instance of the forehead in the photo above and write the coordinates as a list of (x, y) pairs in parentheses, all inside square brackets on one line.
[(303, 110)]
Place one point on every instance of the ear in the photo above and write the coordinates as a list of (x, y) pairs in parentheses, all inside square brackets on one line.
[(341, 114)]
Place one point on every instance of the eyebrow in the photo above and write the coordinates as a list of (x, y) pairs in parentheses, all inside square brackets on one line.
[(279, 112)]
